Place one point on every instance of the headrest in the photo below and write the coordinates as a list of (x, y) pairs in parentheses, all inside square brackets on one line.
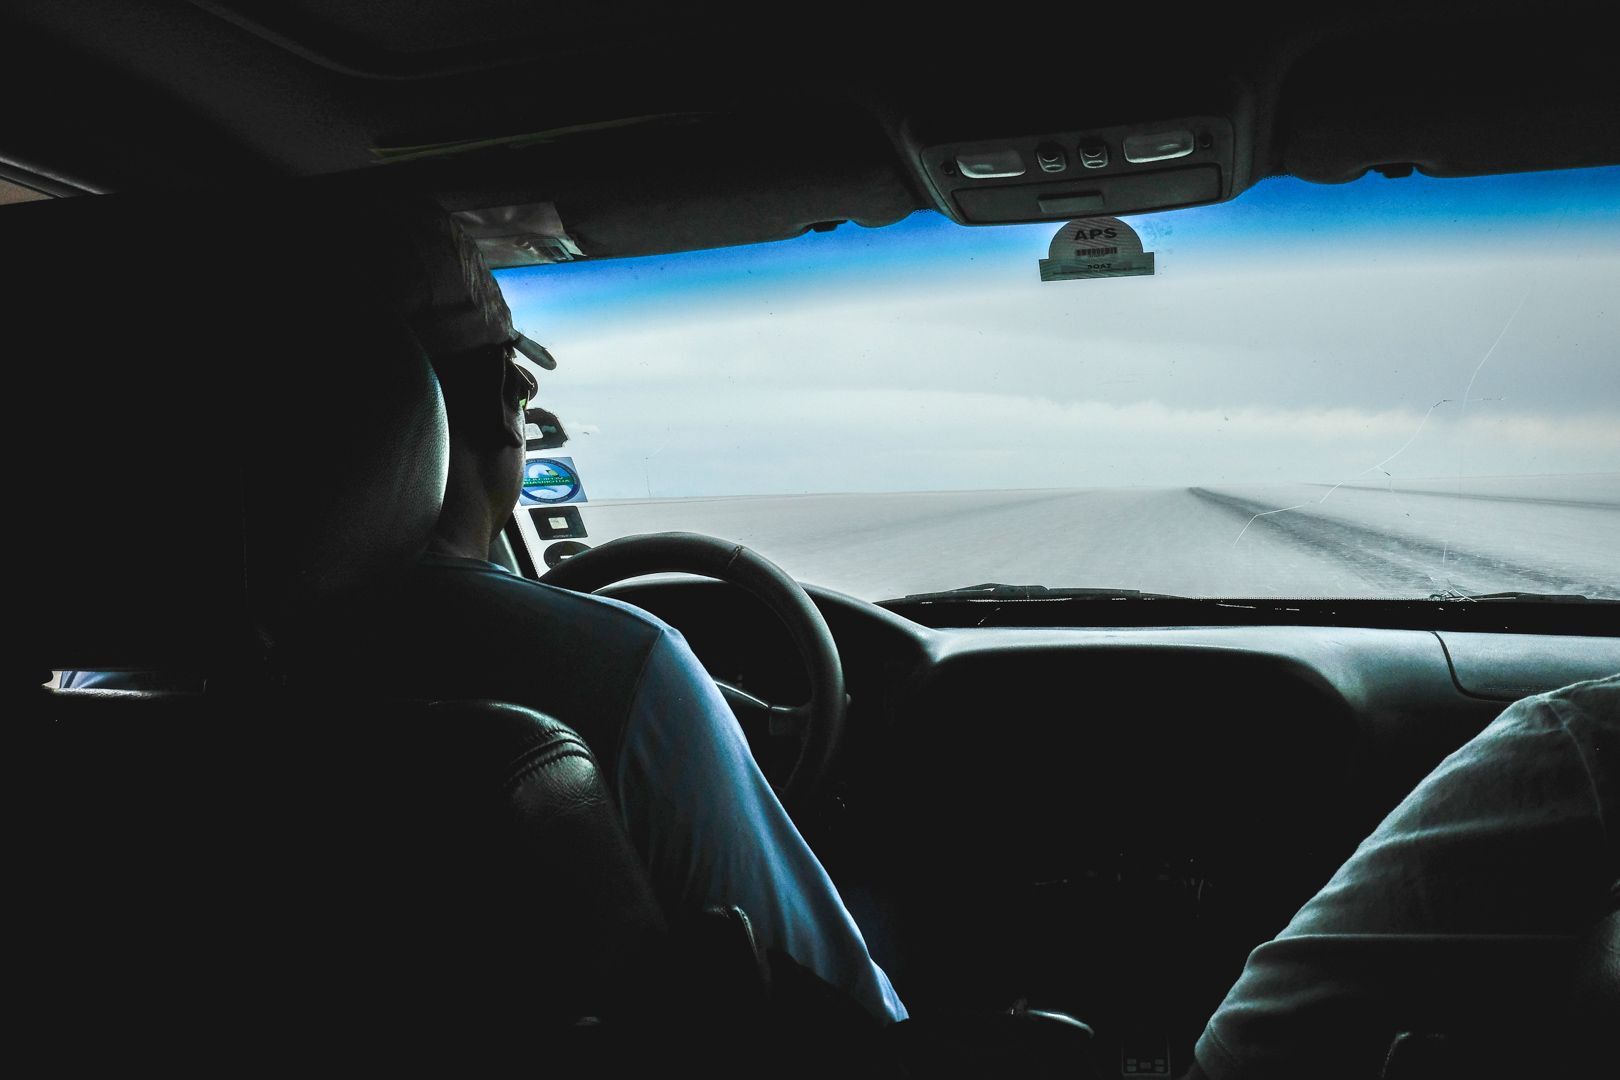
[(218, 417)]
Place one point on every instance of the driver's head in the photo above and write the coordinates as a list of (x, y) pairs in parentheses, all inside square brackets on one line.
[(455, 308), (486, 393)]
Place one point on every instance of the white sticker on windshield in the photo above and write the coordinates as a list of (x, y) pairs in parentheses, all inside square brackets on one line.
[(1096, 247)]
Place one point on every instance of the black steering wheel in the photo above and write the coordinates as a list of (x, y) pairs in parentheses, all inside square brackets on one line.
[(819, 723)]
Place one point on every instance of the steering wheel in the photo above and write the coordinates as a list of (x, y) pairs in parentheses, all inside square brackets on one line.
[(819, 722)]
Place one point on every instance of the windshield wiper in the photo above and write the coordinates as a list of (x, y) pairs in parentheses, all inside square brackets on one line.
[(1522, 597), (996, 604), (995, 591), (998, 592)]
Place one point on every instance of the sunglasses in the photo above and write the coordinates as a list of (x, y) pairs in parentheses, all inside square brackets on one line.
[(531, 388)]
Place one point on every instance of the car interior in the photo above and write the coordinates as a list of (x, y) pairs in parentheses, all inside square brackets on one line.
[(1081, 814)]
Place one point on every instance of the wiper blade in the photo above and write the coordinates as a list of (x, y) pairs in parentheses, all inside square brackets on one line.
[(1522, 597), (996, 592)]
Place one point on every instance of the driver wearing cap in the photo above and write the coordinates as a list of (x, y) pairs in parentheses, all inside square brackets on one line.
[(694, 802), (695, 805)]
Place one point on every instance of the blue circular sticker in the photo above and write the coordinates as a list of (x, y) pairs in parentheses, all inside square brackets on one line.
[(547, 480)]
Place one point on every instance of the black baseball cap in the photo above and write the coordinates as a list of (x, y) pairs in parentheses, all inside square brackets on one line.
[(533, 350), (445, 290)]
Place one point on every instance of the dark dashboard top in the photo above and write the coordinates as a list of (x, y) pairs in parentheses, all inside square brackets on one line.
[(1370, 666)]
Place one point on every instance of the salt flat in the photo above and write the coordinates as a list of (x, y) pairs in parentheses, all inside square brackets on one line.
[(1411, 538)]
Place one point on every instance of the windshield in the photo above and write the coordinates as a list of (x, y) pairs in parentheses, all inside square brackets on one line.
[(1389, 388)]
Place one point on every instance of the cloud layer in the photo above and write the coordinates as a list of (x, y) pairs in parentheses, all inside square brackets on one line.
[(1341, 356), (923, 390)]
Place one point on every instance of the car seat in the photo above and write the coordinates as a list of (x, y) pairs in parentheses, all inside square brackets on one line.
[(220, 427)]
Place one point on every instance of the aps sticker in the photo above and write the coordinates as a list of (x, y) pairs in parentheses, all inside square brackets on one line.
[(1096, 247)]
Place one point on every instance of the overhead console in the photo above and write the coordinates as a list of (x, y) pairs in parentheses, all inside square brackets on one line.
[(1078, 172)]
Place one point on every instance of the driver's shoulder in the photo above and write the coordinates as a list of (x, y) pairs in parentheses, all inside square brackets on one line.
[(588, 613), (603, 611)]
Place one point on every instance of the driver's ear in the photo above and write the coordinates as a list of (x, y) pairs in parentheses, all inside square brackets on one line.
[(517, 391), (484, 393), (489, 410)]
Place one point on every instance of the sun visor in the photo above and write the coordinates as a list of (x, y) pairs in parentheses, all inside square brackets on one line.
[(531, 234), (687, 183), (1451, 100)]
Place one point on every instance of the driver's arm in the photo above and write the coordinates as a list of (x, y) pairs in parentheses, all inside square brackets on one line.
[(713, 832)]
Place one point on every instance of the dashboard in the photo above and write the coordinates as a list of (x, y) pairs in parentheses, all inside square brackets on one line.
[(1107, 820)]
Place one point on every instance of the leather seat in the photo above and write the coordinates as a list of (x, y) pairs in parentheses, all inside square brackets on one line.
[(207, 879), (224, 429)]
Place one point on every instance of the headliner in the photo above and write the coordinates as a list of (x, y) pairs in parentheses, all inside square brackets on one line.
[(659, 127)]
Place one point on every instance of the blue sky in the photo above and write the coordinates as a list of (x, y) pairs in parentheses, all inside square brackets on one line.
[(1279, 212), (1299, 333)]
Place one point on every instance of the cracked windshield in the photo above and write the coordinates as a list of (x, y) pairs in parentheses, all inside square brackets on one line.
[(1387, 388)]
